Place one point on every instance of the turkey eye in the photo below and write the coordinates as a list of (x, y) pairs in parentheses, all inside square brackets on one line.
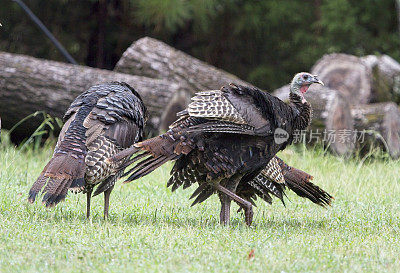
[(305, 77)]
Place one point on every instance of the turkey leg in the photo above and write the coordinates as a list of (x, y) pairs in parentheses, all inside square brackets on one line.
[(225, 213), (248, 208), (88, 198), (107, 201)]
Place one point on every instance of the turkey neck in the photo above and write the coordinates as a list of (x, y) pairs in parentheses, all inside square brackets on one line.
[(303, 118)]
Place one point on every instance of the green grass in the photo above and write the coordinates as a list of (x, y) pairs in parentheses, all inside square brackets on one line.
[(151, 229)]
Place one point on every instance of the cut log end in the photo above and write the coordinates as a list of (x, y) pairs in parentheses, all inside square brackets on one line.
[(391, 132), (381, 122), (347, 74), (340, 122)]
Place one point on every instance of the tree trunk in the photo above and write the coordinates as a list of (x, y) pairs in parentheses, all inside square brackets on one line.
[(347, 74), (331, 123), (152, 58), (385, 78), (28, 84), (381, 122)]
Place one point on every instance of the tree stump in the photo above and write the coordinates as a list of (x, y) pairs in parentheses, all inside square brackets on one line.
[(29, 84), (381, 122), (152, 58), (332, 122), (347, 74), (385, 78)]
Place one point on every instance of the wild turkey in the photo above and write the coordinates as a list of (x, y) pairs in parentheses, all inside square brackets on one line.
[(100, 122), (224, 136)]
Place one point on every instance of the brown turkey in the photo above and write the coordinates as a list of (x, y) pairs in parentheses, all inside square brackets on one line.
[(100, 122), (224, 136)]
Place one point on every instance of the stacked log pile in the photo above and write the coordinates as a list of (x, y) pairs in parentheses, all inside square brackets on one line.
[(365, 91), (360, 94)]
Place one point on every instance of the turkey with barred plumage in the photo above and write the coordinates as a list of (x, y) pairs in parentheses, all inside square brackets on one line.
[(224, 137), (100, 123)]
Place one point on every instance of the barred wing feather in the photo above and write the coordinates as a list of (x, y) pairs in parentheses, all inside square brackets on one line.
[(214, 105)]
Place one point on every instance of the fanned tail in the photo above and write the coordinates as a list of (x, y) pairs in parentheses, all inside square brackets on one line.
[(63, 172)]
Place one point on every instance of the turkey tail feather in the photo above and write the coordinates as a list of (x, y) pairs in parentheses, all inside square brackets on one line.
[(37, 187), (107, 184), (147, 166), (204, 195), (300, 182), (62, 173), (51, 199), (123, 154)]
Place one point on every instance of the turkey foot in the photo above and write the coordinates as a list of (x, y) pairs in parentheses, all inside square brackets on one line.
[(248, 213)]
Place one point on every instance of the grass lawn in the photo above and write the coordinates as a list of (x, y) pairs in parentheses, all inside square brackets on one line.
[(151, 229)]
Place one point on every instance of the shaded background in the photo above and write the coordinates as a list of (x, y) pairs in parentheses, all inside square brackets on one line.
[(263, 42)]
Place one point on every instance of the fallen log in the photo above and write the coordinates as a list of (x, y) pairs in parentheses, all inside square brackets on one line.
[(332, 123), (347, 74), (385, 78), (29, 84), (152, 58), (362, 80), (378, 124)]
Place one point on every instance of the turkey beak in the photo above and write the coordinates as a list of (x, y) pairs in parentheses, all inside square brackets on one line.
[(316, 80)]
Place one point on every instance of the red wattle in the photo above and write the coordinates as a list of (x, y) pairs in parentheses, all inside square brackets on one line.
[(304, 88)]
